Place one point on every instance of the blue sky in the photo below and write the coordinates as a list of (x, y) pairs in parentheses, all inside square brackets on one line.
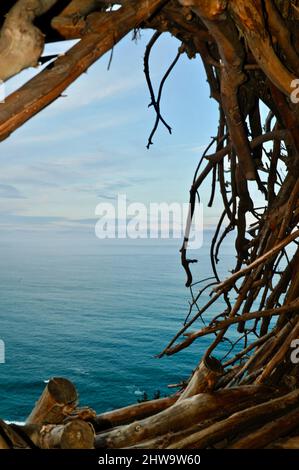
[(91, 144)]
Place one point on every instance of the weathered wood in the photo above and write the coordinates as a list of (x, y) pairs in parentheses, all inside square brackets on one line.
[(238, 422), (191, 337), (5, 436), (281, 33), (270, 432), (249, 17), (280, 355), (131, 413), (227, 377), (289, 443), (262, 259), (43, 89), (76, 434), (204, 378), (57, 401), (10, 439), (3, 444), (183, 415), (162, 442), (84, 413), (72, 21), (249, 49), (21, 42), (77, 8), (214, 15)]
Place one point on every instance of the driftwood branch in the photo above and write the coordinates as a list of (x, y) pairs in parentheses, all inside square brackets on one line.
[(249, 51), (182, 415), (47, 86), (21, 42)]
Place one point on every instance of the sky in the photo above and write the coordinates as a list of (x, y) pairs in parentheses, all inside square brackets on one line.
[(90, 145)]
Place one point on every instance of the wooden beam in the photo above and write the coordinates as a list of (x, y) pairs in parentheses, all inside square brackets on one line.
[(131, 413), (270, 432), (238, 422), (47, 86), (184, 414)]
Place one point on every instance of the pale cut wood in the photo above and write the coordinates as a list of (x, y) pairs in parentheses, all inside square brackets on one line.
[(204, 378), (131, 413), (22, 43), (57, 401), (162, 442), (76, 434)]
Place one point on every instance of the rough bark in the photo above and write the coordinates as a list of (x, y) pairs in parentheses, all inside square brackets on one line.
[(270, 432), (249, 51), (289, 443), (57, 401), (22, 43), (204, 378), (238, 422), (76, 434), (131, 413), (183, 415), (42, 90), (250, 20)]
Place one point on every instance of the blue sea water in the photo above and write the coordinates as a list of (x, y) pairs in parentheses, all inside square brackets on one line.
[(96, 312)]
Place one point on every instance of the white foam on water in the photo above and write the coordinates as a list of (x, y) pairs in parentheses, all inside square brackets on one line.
[(19, 423)]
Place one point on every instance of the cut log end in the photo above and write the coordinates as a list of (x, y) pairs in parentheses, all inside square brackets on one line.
[(62, 390), (77, 434), (204, 378), (57, 401)]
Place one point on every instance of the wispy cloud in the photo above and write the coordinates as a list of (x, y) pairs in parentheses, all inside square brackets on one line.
[(10, 192), (198, 148), (105, 196), (65, 133), (90, 91), (84, 221)]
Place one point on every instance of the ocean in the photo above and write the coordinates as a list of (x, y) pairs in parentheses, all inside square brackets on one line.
[(95, 312)]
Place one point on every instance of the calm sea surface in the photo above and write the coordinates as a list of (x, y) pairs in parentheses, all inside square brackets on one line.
[(95, 312)]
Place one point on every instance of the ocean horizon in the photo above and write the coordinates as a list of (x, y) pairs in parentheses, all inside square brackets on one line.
[(96, 312)]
